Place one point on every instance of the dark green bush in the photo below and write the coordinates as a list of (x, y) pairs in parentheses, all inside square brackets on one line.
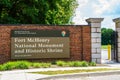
[(53, 62)]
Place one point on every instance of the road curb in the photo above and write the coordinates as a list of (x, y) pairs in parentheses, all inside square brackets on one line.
[(90, 74)]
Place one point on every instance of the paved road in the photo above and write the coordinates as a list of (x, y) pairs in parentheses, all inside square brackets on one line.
[(109, 77)]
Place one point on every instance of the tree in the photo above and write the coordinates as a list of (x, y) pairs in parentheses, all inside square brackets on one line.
[(36, 11), (107, 35)]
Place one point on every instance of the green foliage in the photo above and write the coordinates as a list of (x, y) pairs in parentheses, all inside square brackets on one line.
[(22, 64), (60, 63), (78, 63), (104, 46), (73, 63), (0, 67), (53, 62), (26, 64), (36, 65), (36, 11), (70, 63), (92, 64), (41, 65), (107, 35), (8, 66), (84, 64), (46, 65), (15, 65)]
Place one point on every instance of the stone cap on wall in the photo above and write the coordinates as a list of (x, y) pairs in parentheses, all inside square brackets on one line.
[(117, 20), (94, 20)]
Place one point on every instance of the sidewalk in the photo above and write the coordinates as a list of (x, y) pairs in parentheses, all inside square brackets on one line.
[(25, 75)]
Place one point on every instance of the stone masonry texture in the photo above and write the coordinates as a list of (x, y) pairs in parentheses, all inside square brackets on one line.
[(95, 38), (117, 26), (80, 41)]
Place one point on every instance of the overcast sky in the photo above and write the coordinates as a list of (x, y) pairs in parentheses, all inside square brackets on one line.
[(107, 9)]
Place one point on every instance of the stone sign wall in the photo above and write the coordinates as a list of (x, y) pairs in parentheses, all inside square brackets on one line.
[(45, 43)]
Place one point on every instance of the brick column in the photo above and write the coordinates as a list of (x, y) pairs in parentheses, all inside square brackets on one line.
[(95, 38), (117, 24)]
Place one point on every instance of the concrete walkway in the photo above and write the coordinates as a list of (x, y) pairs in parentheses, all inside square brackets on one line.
[(21, 76), (25, 75)]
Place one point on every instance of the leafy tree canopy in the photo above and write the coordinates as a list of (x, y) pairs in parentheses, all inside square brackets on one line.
[(107, 36), (36, 11)]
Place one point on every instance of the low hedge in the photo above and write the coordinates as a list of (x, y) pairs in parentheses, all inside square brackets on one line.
[(26, 65), (75, 63)]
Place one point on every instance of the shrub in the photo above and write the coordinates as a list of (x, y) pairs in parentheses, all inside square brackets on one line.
[(43, 65), (36, 65), (46, 65), (22, 64), (8, 66), (53, 62), (84, 64), (26, 64), (61, 63), (0, 67), (71, 63), (77, 64), (92, 64)]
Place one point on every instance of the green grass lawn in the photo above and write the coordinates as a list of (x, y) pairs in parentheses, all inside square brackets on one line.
[(104, 46)]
